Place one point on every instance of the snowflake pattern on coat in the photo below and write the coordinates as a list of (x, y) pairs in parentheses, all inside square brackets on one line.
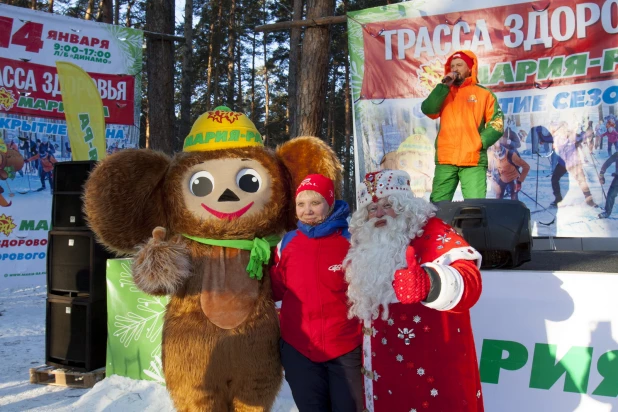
[(426, 358)]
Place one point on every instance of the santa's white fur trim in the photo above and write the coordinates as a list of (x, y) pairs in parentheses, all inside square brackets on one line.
[(451, 287), (460, 253), (367, 378)]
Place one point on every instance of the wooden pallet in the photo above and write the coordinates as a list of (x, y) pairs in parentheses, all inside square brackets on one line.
[(48, 375)]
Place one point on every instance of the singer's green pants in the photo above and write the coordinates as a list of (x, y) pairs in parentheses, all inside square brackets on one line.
[(473, 182)]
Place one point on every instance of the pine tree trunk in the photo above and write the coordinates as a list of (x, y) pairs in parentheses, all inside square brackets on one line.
[(117, 12), (231, 48), (89, 10), (347, 172), (331, 107), (239, 76), (50, 9), (187, 73), (293, 71), (211, 55), (314, 70), (33, 4), (215, 90), (105, 14), (128, 22), (160, 72), (266, 91), (147, 130), (253, 52)]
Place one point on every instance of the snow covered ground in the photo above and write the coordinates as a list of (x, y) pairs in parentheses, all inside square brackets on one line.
[(22, 346)]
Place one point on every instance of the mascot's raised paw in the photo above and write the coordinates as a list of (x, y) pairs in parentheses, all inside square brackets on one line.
[(161, 266), (201, 227)]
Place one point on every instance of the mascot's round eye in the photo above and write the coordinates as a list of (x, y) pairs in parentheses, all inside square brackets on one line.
[(201, 184), (249, 180)]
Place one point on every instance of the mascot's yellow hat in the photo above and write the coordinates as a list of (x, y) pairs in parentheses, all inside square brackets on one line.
[(222, 129)]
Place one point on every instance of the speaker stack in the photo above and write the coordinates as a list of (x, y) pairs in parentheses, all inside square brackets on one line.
[(76, 323)]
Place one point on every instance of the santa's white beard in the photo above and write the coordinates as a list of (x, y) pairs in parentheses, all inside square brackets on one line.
[(376, 253)]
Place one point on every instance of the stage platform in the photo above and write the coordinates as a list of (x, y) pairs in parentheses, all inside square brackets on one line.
[(575, 261)]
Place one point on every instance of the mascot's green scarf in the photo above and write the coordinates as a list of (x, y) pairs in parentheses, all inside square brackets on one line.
[(259, 247)]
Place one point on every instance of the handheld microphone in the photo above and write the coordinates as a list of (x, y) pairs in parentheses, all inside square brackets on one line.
[(449, 78)]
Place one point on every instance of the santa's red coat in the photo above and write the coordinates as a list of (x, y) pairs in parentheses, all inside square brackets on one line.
[(423, 359)]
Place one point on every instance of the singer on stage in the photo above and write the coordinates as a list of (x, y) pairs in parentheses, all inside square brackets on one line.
[(470, 122)]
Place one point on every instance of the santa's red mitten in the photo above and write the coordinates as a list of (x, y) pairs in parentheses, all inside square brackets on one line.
[(412, 284)]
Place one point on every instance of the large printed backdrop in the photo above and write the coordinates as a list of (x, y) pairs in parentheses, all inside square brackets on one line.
[(32, 119), (553, 69)]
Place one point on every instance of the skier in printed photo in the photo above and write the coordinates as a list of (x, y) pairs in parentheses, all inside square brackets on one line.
[(613, 187), (508, 171), (568, 161), (589, 136), (599, 133), (46, 159), (541, 141), (67, 149), (511, 139), (582, 141), (611, 133)]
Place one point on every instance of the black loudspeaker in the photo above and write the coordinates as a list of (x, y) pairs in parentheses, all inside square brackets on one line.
[(76, 265), (76, 328), (71, 176), (75, 333), (498, 228), (69, 179)]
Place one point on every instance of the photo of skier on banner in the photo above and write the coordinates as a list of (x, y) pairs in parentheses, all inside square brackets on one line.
[(541, 141), (471, 121), (511, 139), (46, 159), (568, 161), (611, 133), (508, 171), (599, 133), (613, 187)]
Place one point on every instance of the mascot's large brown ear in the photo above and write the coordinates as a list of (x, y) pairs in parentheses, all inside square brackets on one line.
[(123, 198), (306, 155)]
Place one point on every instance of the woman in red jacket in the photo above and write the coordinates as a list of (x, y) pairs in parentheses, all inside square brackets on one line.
[(320, 346)]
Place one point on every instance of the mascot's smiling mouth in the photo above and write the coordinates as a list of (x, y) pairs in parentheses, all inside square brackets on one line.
[(229, 216)]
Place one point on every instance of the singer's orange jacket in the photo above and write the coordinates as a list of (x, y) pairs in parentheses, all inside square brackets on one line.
[(470, 120)]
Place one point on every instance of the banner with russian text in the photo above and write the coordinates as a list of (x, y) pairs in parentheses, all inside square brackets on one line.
[(552, 67), (546, 341), (33, 130)]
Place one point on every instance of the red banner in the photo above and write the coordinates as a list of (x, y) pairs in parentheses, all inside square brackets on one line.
[(33, 89), (519, 46)]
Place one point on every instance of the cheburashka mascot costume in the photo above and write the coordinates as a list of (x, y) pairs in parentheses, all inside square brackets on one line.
[(201, 226)]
